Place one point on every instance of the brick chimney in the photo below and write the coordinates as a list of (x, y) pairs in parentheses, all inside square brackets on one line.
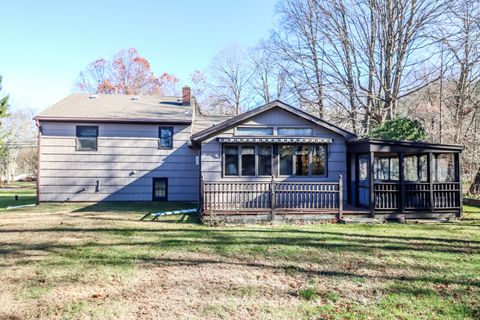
[(186, 96)]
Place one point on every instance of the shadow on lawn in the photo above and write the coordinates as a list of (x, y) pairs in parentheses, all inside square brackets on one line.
[(222, 239), (136, 207), (194, 220), (104, 259)]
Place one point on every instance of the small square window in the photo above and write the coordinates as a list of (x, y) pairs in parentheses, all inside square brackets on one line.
[(165, 138), (87, 138)]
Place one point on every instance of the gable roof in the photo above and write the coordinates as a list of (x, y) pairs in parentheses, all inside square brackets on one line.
[(204, 134), (118, 108)]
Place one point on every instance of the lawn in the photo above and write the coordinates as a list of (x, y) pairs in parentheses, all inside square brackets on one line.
[(24, 190), (99, 261)]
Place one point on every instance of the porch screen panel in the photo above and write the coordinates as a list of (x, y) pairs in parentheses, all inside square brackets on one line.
[(248, 161), (231, 161), (423, 168), (382, 168), (394, 169), (445, 168), (386, 168), (265, 161), (411, 168)]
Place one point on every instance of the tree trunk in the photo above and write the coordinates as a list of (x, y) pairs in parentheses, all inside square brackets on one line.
[(475, 186)]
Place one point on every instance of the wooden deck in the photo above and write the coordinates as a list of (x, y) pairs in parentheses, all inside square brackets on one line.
[(313, 201)]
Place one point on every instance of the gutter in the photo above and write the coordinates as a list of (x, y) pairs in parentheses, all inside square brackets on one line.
[(109, 120)]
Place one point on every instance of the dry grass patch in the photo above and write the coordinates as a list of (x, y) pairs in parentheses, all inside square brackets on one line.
[(61, 262)]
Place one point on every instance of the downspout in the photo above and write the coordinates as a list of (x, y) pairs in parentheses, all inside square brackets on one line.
[(39, 146)]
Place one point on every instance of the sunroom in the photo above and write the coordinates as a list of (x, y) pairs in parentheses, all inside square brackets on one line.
[(411, 179)]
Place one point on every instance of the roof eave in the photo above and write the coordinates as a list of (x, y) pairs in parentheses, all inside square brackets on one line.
[(204, 134), (452, 147), (110, 120)]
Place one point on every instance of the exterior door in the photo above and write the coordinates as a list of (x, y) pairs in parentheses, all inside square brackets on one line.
[(160, 189), (363, 167)]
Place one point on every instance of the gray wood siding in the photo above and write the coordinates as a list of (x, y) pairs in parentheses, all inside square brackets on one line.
[(211, 151), (123, 167)]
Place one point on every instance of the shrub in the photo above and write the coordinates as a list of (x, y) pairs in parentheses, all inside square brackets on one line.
[(399, 129)]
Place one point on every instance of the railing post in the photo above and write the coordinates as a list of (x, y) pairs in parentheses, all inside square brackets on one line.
[(272, 198), (340, 197), (371, 170), (202, 195), (458, 160), (401, 177), (431, 176)]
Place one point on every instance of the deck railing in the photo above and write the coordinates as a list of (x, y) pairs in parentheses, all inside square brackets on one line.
[(230, 197), (417, 196)]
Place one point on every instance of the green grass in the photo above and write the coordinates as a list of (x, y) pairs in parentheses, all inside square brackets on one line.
[(24, 190), (386, 271)]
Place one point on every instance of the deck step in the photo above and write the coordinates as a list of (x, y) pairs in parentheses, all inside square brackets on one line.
[(358, 220), (426, 221)]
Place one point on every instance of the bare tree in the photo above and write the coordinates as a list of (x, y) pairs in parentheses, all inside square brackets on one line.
[(461, 38), (298, 47), (269, 80), (362, 56), (229, 76)]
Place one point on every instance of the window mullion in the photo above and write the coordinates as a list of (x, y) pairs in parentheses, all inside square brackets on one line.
[(294, 159), (239, 156), (310, 148), (256, 161)]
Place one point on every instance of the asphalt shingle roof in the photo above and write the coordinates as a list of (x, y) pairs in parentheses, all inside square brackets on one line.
[(203, 122), (118, 107)]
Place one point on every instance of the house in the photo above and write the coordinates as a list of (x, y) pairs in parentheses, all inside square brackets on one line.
[(272, 162)]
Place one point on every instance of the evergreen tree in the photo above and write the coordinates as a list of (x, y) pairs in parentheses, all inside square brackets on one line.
[(399, 128)]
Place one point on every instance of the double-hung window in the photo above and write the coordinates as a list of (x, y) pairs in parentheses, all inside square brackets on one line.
[(165, 138), (87, 138), (247, 160)]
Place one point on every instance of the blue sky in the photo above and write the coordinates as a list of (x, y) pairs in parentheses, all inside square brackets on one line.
[(45, 44)]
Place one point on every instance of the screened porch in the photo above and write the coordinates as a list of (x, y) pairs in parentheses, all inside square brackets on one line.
[(390, 177)]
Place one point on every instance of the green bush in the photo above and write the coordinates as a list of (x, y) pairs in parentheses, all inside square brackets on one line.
[(403, 129)]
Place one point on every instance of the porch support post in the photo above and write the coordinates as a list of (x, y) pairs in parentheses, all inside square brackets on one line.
[(372, 185), (201, 207), (272, 198), (357, 175), (458, 160), (340, 197), (431, 176), (402, 181)]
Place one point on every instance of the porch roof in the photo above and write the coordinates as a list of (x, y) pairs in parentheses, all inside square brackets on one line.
[(381, 145), (274, 140)]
